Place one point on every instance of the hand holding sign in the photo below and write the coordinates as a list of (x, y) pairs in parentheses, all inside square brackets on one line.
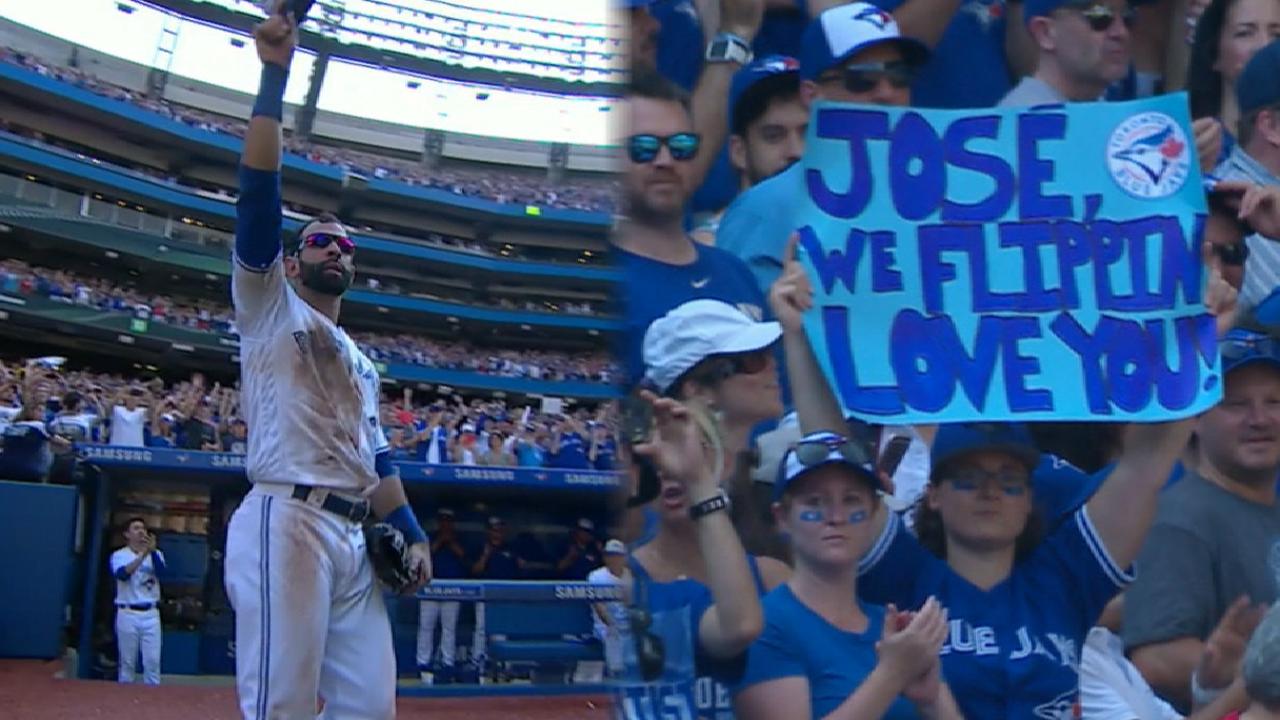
[(791, 295), (1220, 297)]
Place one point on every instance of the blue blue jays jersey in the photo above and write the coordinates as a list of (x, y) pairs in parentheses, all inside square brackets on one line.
[(692, 685), (1014, 650), (651, 289)]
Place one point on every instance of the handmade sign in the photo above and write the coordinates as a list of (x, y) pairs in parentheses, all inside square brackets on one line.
[(1009, 264)]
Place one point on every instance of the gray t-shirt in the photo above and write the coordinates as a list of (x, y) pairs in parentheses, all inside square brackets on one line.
[(1031, 92), (1207, 548)]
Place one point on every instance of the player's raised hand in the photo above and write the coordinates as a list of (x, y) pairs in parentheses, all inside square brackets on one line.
[(1220, 299), (791, 295), (276, 37)]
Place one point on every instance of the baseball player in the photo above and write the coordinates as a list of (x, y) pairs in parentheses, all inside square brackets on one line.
[(609, 619), (310, 620), (448, 560), (135, 567)]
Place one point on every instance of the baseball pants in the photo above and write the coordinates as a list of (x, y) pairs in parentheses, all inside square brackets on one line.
[(429, 611), (310, 619), (138, 629)]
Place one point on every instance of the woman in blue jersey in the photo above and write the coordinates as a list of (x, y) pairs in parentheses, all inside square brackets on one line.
[(697, 602), (824, 653), (1020, 604)]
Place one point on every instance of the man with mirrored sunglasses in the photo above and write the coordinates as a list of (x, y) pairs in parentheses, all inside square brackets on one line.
[(851, 53), (1084, 47), (662, 266), (310, 616)]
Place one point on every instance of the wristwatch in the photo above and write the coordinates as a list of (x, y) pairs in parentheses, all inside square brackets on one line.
[(715, 503), (727, 47)]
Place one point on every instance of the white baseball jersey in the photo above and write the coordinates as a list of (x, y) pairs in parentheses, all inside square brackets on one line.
[(127, 426), (310, 397), (77, 428), (616, 610), (142, 586)]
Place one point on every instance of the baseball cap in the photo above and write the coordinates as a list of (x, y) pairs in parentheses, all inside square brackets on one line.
[(615, 547), (445, 512), (495, 521), (954, 440), (696, 330), (752, 78), (1259, 83), (585, 524), (845, 30), (801, 459), (1245, 347)]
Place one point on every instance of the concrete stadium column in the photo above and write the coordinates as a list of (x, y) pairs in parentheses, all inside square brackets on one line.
[(432, 148), (557, 162), (305, 119)]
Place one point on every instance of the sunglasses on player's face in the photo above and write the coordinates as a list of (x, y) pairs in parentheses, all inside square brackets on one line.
[(644, 148), (321, 241), (1101, 18), (865, 77)]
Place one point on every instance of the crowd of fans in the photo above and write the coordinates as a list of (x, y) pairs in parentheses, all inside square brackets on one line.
[(491, 184), (46, 403), (20, 278), (995, 576)]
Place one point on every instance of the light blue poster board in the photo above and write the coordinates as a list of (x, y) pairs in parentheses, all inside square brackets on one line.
[(1009, 264)]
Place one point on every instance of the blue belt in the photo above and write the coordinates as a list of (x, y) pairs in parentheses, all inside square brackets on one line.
[(137, 606), (356, 512)]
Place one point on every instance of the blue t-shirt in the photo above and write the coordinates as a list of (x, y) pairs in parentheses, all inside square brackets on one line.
[(692, 685), (757, 225), (714, 274), (798, 642), (1014, 650), (502, 564), (968, 68), (438, 439), (446, 565), (573, 453), (25, 454), (529, 454), (606, 451), (589, 558)]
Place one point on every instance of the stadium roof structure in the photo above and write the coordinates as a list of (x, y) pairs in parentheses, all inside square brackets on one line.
[(455, 39)]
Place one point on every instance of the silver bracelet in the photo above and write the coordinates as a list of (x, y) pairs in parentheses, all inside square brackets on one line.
[(1199, 695)]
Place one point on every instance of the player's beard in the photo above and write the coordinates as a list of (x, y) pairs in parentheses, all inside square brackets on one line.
[(315, 277)]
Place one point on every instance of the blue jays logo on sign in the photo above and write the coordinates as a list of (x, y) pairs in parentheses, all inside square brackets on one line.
[(1148, 156), (875, 16)]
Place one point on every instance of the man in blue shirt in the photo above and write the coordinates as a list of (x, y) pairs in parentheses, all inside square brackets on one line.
[(495, 561), (448, 563), (582, 554), (852, 53), (604, 449), (569, 446), (662, 266)]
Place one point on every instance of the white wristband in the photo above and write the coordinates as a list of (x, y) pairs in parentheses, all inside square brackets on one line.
[(1200, 696)]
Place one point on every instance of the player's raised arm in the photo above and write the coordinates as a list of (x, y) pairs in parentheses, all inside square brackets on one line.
[(258, 217)]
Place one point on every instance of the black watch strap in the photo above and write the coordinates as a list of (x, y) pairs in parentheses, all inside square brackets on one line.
[(716, 503)]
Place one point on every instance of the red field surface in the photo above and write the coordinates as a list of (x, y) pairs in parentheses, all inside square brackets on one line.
[(29, 690)]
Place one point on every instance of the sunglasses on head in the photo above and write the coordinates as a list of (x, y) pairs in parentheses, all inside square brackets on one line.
[(1101, 18), (865, 77), (815, 452), (645, 148), (321, 241), (1251, 345)]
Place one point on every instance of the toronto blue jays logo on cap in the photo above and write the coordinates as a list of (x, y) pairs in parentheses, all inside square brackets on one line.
[(1148, 156), (875, 16)]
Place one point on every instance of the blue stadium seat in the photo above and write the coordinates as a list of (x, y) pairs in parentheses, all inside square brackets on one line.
[(546, 632)]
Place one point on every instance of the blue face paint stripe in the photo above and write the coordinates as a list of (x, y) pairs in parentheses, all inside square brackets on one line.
[(810, 516), (855, 517)]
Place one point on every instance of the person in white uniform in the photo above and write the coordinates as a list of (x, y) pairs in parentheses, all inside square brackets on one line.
[(610, 618), (135, 568), (310, 618)]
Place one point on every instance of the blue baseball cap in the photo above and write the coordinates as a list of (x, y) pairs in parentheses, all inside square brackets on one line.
[(800, 459), (755, 74), (846, 30), (955, 440), (1259, 83), (1245, 347), (629, 4)]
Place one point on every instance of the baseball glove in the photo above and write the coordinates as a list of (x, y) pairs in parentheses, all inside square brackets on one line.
[(389, 553)]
